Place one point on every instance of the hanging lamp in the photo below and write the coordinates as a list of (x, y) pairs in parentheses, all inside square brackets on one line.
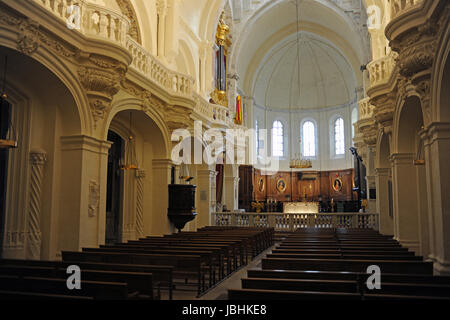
[(130, 161), (298, 162)]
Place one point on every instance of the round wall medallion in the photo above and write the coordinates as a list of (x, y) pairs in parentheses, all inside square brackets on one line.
[(261, 185)]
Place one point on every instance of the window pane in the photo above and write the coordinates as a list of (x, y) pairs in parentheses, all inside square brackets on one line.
[(309, 139), (257, 136), (277, 139), (339, 136), (354, 120)]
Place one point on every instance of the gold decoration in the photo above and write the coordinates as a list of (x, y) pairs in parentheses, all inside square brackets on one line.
[(222, 31), (258, 206), (220, 97)]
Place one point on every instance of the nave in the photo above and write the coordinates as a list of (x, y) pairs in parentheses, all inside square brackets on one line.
[(218, 263)]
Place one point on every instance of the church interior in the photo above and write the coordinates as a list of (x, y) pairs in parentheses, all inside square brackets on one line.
[(224, 150)]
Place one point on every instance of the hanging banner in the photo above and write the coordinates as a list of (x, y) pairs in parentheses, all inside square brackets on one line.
[(239, 114)]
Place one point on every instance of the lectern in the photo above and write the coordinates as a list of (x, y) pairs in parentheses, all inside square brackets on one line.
[(181, 204)]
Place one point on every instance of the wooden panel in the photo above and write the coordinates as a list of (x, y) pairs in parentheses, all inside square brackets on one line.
[(296, 187)]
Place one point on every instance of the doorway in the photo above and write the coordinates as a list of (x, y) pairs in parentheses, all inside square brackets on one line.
[(114, 193)]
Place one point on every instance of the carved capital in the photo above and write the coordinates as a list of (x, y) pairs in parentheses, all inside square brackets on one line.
[(38, 158)]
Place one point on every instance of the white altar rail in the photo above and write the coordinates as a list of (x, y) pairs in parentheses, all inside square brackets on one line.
[(293, 221)]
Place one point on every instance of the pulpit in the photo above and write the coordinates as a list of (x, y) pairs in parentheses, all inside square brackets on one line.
[(181, 204)]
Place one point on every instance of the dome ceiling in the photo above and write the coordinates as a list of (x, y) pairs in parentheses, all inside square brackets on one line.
[(326, 78)]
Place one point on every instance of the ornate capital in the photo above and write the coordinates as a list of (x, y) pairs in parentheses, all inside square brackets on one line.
[(38, 158)]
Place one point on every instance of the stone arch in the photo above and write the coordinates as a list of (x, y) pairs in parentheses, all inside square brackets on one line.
[(55, 63), (158, 125), (44, 111), (128, 10), (408, 121)]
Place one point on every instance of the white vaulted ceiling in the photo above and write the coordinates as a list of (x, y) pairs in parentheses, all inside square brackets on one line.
[(326, 78)]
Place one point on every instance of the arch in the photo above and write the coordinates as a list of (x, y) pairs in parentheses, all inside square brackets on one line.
[(127, 9), (157, 124), (58, 67), (383, 150), (186, 52), (408, 120)]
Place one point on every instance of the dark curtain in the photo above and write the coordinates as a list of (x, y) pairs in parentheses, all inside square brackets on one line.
[(219, 182)]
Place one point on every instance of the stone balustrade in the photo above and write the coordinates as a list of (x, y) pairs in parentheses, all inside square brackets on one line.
[(380, 70), (94, 21), (100, 23), (365, 109), (400, 7), (293, 221)]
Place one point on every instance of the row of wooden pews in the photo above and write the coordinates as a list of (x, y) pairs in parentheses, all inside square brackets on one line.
[(139, 269), (206, 256), (332, 264)]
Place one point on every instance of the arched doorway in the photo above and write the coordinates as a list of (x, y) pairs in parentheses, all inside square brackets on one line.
[(39, 185), (114, 189), (409, 180)]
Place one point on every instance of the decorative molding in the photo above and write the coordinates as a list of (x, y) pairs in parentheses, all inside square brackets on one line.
[(28, 37), (94, 198), (127, 9), (140, 176)]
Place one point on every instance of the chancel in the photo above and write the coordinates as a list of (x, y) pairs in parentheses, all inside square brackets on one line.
[(169, 149)]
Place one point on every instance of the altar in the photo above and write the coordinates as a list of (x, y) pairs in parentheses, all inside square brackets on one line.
[(301, 207)]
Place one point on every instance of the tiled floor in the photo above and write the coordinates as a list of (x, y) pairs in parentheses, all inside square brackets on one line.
[(220, 291)]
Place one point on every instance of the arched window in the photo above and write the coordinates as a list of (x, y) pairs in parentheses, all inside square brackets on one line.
[(309, 139), (339, 137), (257, 136), (277, 139), (354, 120)]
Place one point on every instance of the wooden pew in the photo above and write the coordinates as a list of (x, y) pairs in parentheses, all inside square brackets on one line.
[(96, 289), (185, 265), (162, 274), (207, 256), (137, 282), (388, 266), (258, 295), (348, 286)]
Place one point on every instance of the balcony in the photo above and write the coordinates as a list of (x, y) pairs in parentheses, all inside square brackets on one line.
[(365, 109), (380, 71), (100, 23)]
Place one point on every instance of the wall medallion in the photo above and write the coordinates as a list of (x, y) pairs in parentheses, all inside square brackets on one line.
[(337, 184), (281, 185)]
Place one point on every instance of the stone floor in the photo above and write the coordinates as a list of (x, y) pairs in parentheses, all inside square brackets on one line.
[(220, 291)]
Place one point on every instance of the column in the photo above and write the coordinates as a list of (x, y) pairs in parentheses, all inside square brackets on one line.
[(38, 158), (383, 201), (160, 223), (231, 187), (84, 165), (140, 176), (206, 196), (437, 159), (370, 177), (406, 223)]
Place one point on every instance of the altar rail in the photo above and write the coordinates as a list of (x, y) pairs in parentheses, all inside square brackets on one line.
[(293, 221)]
